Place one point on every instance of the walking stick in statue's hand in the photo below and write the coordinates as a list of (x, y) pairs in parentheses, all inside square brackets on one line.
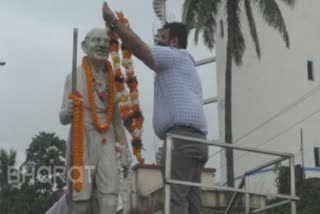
[(74, 89)]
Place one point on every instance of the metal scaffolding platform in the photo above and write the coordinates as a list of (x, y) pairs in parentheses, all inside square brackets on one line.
[(242, 188)]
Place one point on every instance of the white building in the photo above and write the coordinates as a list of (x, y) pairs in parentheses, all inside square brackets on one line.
[(275, 100)]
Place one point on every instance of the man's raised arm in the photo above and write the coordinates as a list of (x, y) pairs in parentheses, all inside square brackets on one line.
[(138, 47)]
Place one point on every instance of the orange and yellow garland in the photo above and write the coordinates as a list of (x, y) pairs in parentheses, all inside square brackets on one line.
[(78, 120), (101, 127), (77, 141), (129, 102)]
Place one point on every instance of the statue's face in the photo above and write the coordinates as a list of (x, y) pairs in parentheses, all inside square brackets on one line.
[(96, 45)]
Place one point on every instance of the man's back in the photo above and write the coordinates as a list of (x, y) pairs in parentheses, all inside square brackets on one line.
[(177, 91)]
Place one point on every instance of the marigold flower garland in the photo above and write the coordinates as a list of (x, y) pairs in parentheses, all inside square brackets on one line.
[(129, 102), (101, 127), (78, 119), (77, 140)]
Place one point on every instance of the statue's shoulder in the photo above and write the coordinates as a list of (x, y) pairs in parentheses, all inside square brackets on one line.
[(79, 73)]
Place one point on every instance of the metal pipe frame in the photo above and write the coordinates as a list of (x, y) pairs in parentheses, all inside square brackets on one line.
[(244, 178), (231, 189), (271, 206), (167, 187), (265, 165), (224, 145), (246, 197), (74, 89), (210, 100), (234, 196), (293, 184), (205, 61), (282, 156)]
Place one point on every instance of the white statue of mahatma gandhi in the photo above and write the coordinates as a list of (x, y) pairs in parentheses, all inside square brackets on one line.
[(101, 182)]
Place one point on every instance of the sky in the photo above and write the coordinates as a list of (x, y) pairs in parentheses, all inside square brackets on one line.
[(36, 44)]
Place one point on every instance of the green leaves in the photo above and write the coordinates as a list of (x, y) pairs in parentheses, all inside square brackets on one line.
[(31, 196), (309, 193), (200, 15), (289, 2), (273, 17), (46, 150), (7, 160), (252, 26), (271, 13)]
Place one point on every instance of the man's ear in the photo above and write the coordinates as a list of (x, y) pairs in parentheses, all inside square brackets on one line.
[(84, 46), (175, 42)]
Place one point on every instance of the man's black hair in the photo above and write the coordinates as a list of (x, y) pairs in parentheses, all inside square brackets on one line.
[(180, 31)]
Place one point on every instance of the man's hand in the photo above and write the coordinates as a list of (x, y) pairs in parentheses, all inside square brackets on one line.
[(108, 14), (138, 47)]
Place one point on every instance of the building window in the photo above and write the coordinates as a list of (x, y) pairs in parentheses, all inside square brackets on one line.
[(317, 156), (221, 29), (310, 70)]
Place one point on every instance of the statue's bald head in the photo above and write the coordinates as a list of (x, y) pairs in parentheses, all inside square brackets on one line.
[(94, 31), (96, 45)]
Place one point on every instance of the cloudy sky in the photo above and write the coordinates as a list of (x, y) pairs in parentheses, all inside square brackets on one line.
[(36, 44)]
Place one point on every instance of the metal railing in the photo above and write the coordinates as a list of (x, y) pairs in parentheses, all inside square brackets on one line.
[(210, 100), (205, 61), (292, 198)]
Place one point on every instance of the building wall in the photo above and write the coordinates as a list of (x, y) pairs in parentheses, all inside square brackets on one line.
[(272, 97)]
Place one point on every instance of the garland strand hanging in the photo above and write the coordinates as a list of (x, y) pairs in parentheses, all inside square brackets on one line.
[(77, 170), (101, 127), (129, 101), (78, 119)]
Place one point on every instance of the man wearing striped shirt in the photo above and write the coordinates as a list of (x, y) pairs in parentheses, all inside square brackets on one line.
[(177, 105)]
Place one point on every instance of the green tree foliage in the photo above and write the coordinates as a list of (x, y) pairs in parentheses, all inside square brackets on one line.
[(31, 196), (309, 193), (7, 190), (46, 156), (28, 201)]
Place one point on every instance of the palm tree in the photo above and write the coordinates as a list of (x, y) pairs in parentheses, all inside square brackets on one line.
[(7, 160), (201, 14)]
